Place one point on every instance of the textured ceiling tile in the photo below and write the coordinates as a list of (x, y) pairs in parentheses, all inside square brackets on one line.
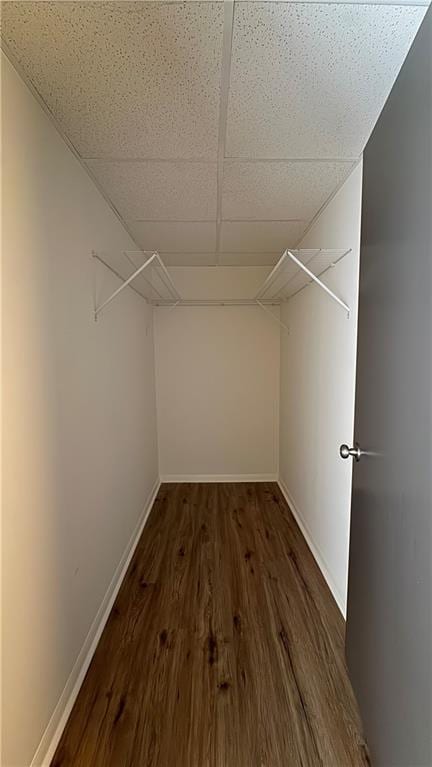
[(129, 79), (309, 80), (349, 2), (159, 190), (279, 190), (260, 236), (174, 237), (188, 259), (249, 259)]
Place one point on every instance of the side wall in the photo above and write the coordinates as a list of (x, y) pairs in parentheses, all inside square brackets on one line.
[(80, 449), (217, 372), (318, 360)]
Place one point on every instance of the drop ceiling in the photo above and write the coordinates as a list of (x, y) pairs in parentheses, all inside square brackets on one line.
[(217, 130)]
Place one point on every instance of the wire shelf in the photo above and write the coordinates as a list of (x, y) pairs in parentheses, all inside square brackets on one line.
[(144, 272), (298, 268)]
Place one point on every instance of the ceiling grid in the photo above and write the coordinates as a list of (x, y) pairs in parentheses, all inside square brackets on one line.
[(223, 113), (218, 129)]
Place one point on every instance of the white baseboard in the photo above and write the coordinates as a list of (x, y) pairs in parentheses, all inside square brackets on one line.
[(340, 601), (57, 723), (219, 478)]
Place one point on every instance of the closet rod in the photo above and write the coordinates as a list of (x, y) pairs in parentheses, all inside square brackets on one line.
[(214, 302)]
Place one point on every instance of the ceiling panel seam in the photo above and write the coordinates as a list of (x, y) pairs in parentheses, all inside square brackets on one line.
[(419, 4), (227, 158), (224, 253), (140, 158), (173, 220), (234, 159), (223, 110)]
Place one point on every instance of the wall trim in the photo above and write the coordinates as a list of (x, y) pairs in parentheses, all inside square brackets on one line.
[(340, 601), (169, 478), (51, 737)]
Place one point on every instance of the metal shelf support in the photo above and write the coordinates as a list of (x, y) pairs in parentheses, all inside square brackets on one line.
[(268, 291), (271, 277), (318, 282), (154, 258), (266, 297)]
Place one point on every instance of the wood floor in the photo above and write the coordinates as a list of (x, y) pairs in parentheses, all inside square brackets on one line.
[(224, 647)]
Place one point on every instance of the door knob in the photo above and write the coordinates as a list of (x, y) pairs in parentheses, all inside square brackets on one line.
[(345, 451)]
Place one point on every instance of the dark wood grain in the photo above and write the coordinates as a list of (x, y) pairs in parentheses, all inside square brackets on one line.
[(224, 647)]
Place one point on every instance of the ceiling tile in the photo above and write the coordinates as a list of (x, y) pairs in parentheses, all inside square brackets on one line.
[(174, 236), (260, 236), (309, 80), (129, 79), (279, 190), (188, 259), (334, 2), (225, 284), (249, 259), (159, 190)]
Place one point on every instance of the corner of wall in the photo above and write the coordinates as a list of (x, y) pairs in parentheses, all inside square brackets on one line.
[(339, 598)]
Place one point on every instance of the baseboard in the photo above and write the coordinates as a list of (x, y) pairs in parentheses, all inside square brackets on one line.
[(57, 723), (313, 548), (219, 478)]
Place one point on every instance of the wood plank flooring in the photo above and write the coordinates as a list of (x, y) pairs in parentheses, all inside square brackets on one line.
[(224, 647)]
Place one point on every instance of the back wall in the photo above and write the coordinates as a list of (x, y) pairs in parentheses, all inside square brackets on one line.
[(217, 373)]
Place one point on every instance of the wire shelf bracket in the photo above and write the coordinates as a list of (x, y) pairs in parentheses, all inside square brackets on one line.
[(297, 269), (154, 260), (294, 271)]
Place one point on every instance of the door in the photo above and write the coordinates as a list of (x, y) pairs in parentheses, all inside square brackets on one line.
[(389, 642)]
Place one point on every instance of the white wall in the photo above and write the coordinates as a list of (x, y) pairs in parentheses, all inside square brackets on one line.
[(217, 372), (318, 360), (80, 455), (80, 449)]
